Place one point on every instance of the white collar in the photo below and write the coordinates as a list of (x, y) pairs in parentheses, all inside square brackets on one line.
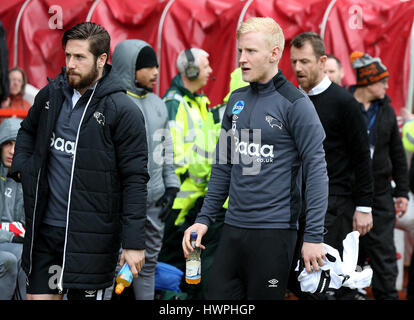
[(319, 88)]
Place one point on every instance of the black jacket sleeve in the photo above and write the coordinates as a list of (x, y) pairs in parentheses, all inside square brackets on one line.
[(358, 144), (129, 138), (26, 137)]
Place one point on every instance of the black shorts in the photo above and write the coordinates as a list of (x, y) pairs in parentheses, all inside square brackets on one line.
[(47, 258), (251, 264)]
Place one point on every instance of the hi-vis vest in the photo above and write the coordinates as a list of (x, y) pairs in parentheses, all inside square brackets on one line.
[(200, 156), (184, 128)]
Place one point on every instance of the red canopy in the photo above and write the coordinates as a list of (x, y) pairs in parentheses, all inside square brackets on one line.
[(379, 27)]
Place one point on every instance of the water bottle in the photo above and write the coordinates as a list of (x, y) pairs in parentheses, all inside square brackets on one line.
[(123, 279), (193, 263)]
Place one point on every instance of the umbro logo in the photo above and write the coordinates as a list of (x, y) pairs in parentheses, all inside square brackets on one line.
[(273, 283), (90, 293)]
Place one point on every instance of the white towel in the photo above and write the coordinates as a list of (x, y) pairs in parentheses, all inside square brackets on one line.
[(336, 273)]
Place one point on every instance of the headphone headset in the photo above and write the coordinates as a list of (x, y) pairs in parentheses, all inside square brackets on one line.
[(191, 71)]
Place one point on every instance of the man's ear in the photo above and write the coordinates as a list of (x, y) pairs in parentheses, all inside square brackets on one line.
[(101, 60), (275, 55), (322, 60)]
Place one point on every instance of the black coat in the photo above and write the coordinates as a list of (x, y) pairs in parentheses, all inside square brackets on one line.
[(390, 160), (107, 198)]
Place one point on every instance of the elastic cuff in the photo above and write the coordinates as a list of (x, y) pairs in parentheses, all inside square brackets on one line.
[(203, 220), (312, 238), (364, 209)]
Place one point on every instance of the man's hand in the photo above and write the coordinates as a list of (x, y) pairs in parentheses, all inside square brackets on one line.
[(313, 254), (134, 258), (406, 114), (362, 222), (201, 230), (401, 205)]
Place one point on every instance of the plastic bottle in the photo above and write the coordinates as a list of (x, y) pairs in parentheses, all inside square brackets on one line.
[(193, 263), (123, 279)]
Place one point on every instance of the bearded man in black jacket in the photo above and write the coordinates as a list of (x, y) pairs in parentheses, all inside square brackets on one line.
[(346, 143), (81, 155)]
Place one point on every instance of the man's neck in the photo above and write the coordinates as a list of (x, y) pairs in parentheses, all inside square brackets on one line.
[(192, 86), (83, 90), (270, 76), (321, 85), (362, 96), (139, 86)]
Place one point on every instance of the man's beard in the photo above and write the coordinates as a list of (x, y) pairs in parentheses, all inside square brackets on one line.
[(84, 81), (139, 85)]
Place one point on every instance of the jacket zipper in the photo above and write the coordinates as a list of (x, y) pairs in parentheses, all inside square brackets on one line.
[(60, 284), (33, 224)]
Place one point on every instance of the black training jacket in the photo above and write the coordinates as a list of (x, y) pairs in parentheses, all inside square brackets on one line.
[(107, 195)]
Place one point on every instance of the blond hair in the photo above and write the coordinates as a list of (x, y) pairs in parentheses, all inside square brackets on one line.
[(268, 26)]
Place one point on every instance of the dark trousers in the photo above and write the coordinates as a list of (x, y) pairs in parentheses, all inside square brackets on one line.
[(252, 264), (338, 220), (377, 246), (410, 284), (338, 223), (172, 251)]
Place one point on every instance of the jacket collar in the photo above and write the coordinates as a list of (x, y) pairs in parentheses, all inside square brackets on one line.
[(278, 80), (380, 102), (319, 88), (177, 82)]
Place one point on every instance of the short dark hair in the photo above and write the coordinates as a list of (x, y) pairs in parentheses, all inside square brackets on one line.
[(99, 39), (331, 56), (314, 39)]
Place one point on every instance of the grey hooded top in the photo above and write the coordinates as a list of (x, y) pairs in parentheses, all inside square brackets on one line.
[(11, 194), (160, 146)]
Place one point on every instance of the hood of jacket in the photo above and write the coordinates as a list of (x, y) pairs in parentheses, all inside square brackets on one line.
[(8, 129), (123, 61), (156, 118)]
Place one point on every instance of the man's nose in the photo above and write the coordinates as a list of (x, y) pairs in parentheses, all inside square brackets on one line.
[(242, 57), (70, 63), (296, 66)]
